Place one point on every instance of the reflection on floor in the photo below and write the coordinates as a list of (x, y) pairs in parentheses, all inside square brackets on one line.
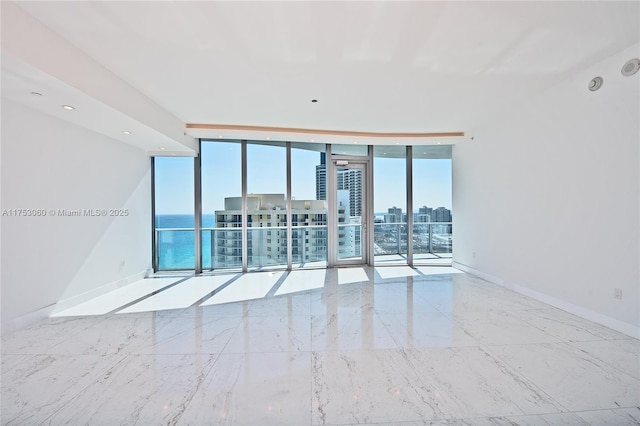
[(384, 345)]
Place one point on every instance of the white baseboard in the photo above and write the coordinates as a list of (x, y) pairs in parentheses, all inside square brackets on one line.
[(44, 313), (477, 273), (614, 324)]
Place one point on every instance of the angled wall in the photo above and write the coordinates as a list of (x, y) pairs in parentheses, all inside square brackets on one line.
[(53, 165), (546, 196)]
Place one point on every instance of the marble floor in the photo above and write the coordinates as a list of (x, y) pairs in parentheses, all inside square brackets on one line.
[(384, 345)]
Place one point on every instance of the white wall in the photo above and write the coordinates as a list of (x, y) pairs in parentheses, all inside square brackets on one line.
[(51, 164), (546, 196)]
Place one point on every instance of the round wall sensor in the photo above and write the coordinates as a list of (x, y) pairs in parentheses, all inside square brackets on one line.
[(631, 67), (595, 83)]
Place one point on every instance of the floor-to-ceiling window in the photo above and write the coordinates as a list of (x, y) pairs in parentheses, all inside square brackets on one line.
[(266, 204), (174, 213), (432, 216), (247, 190), (390, 201), (308, 205), (221, 204)]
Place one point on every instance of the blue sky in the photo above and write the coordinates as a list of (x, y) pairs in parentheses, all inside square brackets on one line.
[(266, 173)]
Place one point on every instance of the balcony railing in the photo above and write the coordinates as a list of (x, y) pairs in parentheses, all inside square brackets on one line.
[(222, 247), (428, 238)]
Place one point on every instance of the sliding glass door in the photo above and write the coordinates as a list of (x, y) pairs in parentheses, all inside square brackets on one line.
[(351, 214)]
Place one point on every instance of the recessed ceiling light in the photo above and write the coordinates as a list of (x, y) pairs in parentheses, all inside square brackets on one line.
[(439, 143), (36, 93), (355, 142), (162, 148), (219, 136), (630, 67), (397, 143), (312, 140), (595, 83), (68, 107), (268, 138), (126, 132)]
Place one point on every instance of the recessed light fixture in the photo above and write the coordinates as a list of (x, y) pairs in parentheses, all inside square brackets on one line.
[(36, 93), (595, 83), (439, 143), (355, 142), (397, 143), (268, 138), (126, 132), (219, 136), (68, 107), (162, 148), (312, 140)]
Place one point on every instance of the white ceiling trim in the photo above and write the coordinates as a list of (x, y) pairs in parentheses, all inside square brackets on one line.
[(227, 131)]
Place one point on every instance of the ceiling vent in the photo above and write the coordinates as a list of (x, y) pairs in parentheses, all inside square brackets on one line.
[(595, 83), (631, 67)]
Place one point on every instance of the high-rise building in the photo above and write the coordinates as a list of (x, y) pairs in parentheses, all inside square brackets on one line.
[(321, 177), (350, 180), (441, 214), (427, 214), (267, 216), (424, 215), (394, 215)]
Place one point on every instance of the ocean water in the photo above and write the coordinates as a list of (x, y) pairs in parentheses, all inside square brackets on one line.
[(183, 221), (176, 244)]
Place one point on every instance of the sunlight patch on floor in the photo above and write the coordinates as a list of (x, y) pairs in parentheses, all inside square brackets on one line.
[(182, 295), (302, 280), (351, 275), (250, 286), (114, 299), (395, 272)]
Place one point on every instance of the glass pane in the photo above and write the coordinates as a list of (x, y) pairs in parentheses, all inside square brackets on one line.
[(350, 208), (390, 189), (221, 204), (266, 205), (308, 205), (174, 209), (432, 217)]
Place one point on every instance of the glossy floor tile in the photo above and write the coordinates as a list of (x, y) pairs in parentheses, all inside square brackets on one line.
[(228, 395), (379, 346)]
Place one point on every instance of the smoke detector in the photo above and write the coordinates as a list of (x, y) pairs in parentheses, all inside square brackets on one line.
[(595, 83), (631, 67)]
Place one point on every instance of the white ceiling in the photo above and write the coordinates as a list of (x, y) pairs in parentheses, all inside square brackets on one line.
[(373, 66)]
